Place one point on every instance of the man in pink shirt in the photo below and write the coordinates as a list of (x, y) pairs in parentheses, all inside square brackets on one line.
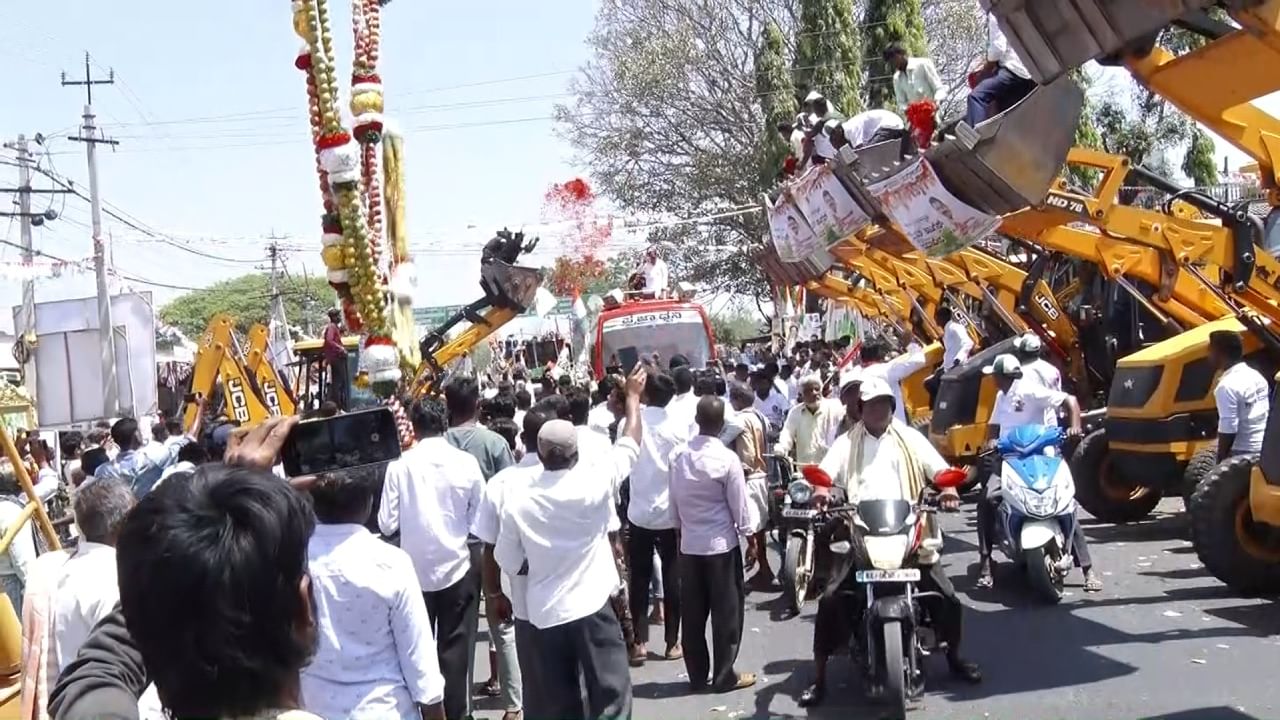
[(709, 502)]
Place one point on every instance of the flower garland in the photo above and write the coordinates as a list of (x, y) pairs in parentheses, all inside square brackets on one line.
[(922, 117), (348, 251)]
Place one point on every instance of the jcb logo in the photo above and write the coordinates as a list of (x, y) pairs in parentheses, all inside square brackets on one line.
[(271, 396), (1062, 202), (1050, 311), (238, 399)]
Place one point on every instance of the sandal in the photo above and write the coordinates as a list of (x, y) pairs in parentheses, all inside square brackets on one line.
[(492, 688), (740, 682), (1092, 583), (675, 652)]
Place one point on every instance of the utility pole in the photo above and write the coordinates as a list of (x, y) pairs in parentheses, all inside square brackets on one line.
[(106, 329)]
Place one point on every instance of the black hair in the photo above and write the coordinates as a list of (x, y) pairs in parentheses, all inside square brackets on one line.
[(705, 384), (606, 386), (533, 422), (579, 401), (1227, 343), (211, 576), (100, 508), (462, 398), (555, 407), (70, 443), (428, 418), (944, 314), (506, 427), (892, 50), (741, 366), (676, 361), (722, 387), (159, 432), (328, 409), (345, 496), (174, 426), (875, 350), (194, 453), (659, 389), (564, 381), (92, 459), (124, 432), (682, 376), (502, 405), (524, 400)]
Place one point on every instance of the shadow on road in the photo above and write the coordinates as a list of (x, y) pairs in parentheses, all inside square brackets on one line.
[(1212, 713), (1157, 528)]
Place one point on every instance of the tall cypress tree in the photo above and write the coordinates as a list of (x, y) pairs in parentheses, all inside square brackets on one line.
[(777, 94), (829, 53), (885, 22), (1200, 163)]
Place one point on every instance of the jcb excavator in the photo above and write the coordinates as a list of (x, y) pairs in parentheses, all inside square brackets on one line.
[(248, 396)]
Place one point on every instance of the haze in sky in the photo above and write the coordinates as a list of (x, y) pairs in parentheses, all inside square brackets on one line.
[(215, 151)]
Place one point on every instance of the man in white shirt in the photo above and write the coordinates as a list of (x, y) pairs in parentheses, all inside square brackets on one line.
[(430, 496), (772, 404), (882, 459), (786, 373), (556, 532), (956, 341), (711, 510), (914, 79), (685, 402), (810, 424), (655, 274), (649, 510), (1035, 368), (376, 654), (869, 127), (877, 365), (1004, 79), (69, 591), (1241, 395)]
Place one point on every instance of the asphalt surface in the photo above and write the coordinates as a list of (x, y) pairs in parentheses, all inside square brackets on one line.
[(1163, 640)]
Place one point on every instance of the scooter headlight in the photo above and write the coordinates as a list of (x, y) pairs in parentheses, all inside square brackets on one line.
[(1041, 504), (800, 492)]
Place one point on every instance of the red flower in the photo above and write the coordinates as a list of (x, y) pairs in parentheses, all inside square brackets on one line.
[(332, 141), (922, 115)]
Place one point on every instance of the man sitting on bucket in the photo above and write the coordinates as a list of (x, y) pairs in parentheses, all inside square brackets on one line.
[(883, 459)]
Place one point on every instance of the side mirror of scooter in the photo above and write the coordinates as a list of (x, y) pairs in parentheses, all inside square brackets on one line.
[(950, 478)]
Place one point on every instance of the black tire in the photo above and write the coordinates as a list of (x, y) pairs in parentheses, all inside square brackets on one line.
[(793, 574), (1091, 470), (1044, 577), (895, 670), (1219, 514), (1198, 467)]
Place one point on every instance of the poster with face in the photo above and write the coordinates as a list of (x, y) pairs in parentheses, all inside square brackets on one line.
[(792, 236), (933, 219), (827, 206)]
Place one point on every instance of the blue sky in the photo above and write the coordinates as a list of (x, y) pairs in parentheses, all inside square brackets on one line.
[(211, 117)]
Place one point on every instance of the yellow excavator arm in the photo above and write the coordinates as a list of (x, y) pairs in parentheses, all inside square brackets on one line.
[(276, 395), (217, 362)]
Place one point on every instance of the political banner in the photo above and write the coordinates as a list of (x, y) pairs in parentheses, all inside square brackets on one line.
[(934, 220), (827, 206), (793, 238)]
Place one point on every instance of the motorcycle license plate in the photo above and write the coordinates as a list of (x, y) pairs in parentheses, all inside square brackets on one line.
[(905, 575), (798, 513)]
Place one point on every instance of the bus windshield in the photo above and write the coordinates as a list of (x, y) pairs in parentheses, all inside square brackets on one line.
[(665, 332)]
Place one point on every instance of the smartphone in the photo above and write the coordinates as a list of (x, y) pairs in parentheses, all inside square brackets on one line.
[(343, 441), (627, 358)]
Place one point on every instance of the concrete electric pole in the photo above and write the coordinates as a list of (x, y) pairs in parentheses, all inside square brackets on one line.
[(89, 136)]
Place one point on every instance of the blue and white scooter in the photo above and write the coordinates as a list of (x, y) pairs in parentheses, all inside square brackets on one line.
[(1037, 517)]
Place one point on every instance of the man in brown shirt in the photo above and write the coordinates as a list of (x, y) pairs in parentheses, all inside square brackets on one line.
[(747, 439)]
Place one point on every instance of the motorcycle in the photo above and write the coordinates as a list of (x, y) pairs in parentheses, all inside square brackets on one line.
[(896, 632), (1037, 510), (798, 525)]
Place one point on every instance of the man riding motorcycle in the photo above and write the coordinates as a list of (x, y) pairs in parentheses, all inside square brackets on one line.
[(880, 458), (1022, 400)]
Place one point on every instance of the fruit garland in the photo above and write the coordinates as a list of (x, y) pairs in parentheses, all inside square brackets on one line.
[(348, 252)]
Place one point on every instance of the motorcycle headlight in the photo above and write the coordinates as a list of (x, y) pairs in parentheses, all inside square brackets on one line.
[(800, 491), (1042, 503)]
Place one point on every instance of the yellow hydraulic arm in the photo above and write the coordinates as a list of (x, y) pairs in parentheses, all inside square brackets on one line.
[(216, 361), (275, 394), (424, 382)]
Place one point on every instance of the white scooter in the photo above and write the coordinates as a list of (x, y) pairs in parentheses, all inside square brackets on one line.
[(1037, 514)]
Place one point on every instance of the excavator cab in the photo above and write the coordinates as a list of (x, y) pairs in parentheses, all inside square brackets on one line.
[(965, 401)]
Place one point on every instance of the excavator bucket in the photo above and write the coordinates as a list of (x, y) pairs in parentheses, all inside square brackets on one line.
[(510, 286), (1053, 38), (1005, 164)]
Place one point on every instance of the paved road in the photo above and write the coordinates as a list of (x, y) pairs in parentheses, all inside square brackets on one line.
[(1163, 641)]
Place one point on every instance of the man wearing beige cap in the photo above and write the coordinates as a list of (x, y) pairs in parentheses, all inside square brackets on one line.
[(556, 533)]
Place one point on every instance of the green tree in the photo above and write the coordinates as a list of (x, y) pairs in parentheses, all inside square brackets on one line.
[(829, 53), (1086, 134), (1200, 163), (736, 325), (248, 299), (777, 93), (885, 22)]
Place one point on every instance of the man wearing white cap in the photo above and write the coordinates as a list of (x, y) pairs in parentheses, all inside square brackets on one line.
[(1037, 369), (556, 532), (1022, 401), (882, 459)]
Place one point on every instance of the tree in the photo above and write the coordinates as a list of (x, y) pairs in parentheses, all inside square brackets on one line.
[(777, 93), (735, 325), (588, 276), (1086, 134), (248, 299), (1200, 163), (829, 53), (885, 22)]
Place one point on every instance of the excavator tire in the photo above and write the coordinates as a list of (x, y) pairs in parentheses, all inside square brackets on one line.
[(1096, 488), (1199, 466), (1243, 554)]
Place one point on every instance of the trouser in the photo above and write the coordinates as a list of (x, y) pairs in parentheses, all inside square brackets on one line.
[(640, 558), (339, 382), (655, 584), (996, 94), (620, 600), (510, 678), (590, 648), (454, 612), (530, 680), (712, 585), (907, 145), (987, 516)]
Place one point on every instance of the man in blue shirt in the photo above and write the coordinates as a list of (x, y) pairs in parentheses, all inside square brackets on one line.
[(140, 465)]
